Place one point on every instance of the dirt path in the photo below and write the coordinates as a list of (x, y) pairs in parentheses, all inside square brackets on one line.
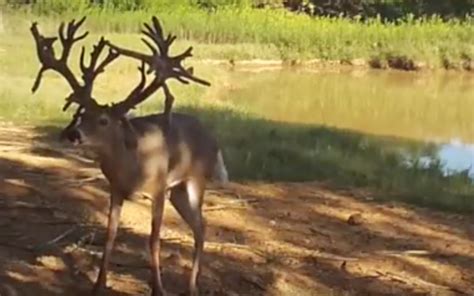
[(263, 239)]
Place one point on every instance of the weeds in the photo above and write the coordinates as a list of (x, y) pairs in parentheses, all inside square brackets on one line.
[(431, 40)]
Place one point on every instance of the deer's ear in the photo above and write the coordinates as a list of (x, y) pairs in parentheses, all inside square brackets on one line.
[(129, 134)]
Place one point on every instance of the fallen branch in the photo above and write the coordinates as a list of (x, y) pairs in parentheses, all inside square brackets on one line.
[(57, 238)]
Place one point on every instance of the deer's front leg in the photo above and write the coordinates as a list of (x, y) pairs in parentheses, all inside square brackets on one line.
[(158, 206), (116, 202)]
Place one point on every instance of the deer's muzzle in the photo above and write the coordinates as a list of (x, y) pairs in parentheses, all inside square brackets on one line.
[(72, 135)]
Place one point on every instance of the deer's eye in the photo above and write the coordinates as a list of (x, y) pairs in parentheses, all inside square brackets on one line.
[(103, 121)]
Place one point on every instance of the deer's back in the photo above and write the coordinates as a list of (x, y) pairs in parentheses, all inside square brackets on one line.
[(187, 147)]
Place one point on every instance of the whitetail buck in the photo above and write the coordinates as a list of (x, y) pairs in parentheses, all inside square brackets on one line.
[(157, 155)]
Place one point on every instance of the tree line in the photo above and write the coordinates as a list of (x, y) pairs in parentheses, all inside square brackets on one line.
[(385, 9), (361, 9)]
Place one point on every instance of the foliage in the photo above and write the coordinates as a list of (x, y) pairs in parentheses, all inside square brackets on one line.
[(386, 9), (362, 9)]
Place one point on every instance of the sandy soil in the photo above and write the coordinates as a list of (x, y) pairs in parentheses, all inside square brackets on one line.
[(262, 239)]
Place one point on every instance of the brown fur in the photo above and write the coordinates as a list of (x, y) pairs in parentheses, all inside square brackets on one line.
[(177, 159)]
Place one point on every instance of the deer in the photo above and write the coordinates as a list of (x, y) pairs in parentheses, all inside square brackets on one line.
[(162, 156)]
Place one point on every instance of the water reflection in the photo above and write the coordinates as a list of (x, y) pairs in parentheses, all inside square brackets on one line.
[(419, 106), (456, 157)]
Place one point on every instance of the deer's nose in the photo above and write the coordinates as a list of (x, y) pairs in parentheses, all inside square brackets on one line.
[(72, 135)]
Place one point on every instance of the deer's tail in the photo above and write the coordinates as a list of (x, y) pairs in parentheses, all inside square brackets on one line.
[(220, 171)]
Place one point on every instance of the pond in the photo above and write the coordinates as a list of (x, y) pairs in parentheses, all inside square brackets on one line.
[(435, 108)]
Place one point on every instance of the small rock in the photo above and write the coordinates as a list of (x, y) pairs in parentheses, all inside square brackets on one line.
[(355, 219), (344, 266)]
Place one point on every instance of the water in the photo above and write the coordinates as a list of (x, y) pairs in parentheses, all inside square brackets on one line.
[(457, 156), (425, 108)]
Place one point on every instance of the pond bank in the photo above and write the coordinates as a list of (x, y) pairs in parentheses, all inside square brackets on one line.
[(394, 63)]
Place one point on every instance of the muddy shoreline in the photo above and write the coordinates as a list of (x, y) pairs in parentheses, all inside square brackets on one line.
[(395, 63)]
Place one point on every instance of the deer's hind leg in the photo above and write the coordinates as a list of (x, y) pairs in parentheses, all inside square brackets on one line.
[(157, 219), (187, 199)]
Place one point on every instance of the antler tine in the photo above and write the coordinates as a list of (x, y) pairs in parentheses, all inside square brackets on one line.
[(150, 46), (141, 84), (90, 73), (138, 94), (156, 34), (47, 57), (160, 62), (67, 36), (49, 61), (38, 78), (130, 53)]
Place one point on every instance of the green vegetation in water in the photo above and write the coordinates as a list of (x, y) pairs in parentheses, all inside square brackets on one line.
[(242, 32)]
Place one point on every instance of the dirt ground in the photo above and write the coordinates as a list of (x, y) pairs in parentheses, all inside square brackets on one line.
[(262, 239)]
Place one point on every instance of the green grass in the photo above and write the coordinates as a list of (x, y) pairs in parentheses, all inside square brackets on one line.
[(259, 149), (242, 33)]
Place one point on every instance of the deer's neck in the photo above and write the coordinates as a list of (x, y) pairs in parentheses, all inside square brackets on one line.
[(118, 164)]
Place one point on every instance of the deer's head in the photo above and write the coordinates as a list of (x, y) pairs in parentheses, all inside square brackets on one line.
[(98, 128), (105, 126)]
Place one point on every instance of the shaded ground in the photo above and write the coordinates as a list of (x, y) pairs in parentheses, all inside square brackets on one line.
[(263, 239)]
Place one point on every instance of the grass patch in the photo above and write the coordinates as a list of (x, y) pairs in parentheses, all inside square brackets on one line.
[(258, 149)]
